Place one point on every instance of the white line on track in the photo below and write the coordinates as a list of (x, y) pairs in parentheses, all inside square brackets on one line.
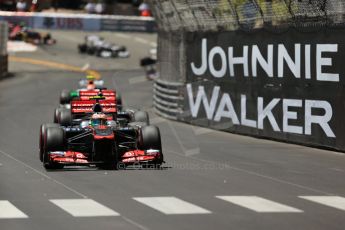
[(20, 46), (128, 220), (171, 205), (259, 204), (44, 175), (9, 211), (84, 207), (337, 202)]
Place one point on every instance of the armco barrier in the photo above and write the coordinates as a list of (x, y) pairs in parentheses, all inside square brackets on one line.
[(85, 22), (168, 99)]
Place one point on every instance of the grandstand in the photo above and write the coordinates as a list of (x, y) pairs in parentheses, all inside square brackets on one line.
[(228, 15)]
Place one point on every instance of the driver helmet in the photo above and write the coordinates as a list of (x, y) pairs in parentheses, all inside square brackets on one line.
[(98, 119), (91, 85)]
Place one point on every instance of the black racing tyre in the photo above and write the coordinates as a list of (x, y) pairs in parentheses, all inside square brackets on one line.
[(53, 140), (65, 96), (150, 138), (119, 101), (82, 48), (141, 116), (65, 117), (91, 50), (147, 61), (43, 129), (56, 115)]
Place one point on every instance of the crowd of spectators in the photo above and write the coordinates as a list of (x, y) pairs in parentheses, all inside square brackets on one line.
[(248, 14)]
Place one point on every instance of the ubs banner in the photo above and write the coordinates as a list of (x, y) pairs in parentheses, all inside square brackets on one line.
[(287, 86)]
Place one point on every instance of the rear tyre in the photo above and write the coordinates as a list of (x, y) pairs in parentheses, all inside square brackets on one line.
[(56, 115), (65, 97), (150, 138), (141, 116), (82, 48), (43, 129), (64, 117), (119, 101), (91, 50), (54, 140)]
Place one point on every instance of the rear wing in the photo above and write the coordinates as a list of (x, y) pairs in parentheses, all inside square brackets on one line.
[(107, 94), (80, 107), (90, 93)]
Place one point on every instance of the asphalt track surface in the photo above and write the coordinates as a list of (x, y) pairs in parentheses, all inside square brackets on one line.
[(201, 164)]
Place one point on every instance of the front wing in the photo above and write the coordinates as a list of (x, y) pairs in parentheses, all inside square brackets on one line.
[(128, 158)]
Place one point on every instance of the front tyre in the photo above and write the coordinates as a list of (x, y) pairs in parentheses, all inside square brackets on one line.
[(150, 138), (119, 101), (141, 116), (54, 140), (43, 130), (64, 117)]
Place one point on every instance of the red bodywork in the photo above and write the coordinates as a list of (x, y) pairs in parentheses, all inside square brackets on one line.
[(78, 158), (127, 158), (103, 137), (84, 104), (108, 106)]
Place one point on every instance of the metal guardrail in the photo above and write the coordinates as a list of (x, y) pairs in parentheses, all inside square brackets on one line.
[(167, 97)]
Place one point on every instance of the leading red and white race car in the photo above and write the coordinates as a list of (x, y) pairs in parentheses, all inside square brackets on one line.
[(101, 141)]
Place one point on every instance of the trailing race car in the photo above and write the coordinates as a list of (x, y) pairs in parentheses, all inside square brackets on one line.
[(102, 142), (67, 96), (22, 33), (150, 65), (95, 45), (89, 87), (82, 101), (83, 109)]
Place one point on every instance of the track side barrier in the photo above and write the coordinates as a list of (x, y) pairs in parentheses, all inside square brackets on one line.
[(274, 70), (168, 99)]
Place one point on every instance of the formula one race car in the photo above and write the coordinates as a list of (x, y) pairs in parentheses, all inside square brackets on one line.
[(71, 101), (150, 65), (22, 33), (84, 94), (88, 87), (95, 45), (101, 141)]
